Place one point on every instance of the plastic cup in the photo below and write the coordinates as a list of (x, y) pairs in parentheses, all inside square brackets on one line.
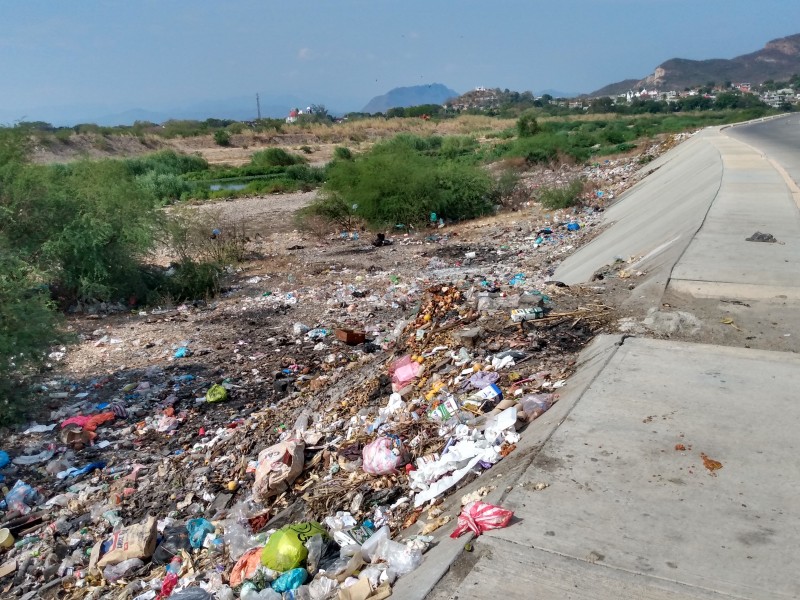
[(6, 539)]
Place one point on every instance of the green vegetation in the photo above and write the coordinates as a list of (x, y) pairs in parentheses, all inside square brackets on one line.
[(561, 197), (275, 157), (527, 126), (342, 153), (403, 182), (222, 137), (84, 232), (28, 327)]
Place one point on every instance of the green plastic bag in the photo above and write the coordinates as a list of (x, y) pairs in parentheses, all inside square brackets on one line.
[(286, 549), (216, 393)]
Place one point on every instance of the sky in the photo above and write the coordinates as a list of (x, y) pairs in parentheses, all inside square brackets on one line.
[(63, 59)]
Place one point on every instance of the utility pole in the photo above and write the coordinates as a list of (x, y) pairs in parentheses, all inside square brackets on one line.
[(258, 107)]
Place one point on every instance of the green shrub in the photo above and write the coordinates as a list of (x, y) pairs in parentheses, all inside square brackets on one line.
[(166, 161), (222, 137), (342, 153), (561, 197), (28, 328), (539, 149), (275, 157), (403, 180), (505, 186), (458, 145), (527, 125), (86, 225), (163, 186), (189, 280)]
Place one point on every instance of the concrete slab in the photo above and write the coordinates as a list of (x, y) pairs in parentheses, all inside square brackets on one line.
[(503, 571), (656, 218), (625, 495), (719, 261)]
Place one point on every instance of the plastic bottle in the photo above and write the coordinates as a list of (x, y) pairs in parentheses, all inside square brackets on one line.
[(171, 579), (114, 572)]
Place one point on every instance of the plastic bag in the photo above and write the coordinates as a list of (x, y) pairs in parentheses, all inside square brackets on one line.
[(246, 566), (479, 517), (216, 393), (290, 580), (536, 404), (285, 550), (194, 593), (321, 588), (383, 455), (278, 467), (403, 371), (173, 540), (21, 497), (198, 530), (114, 572), (250, 593), (401, 558), (315, 546), (4, 459)]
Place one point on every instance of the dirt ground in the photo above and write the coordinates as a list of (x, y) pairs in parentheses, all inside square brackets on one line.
[(441, 297)]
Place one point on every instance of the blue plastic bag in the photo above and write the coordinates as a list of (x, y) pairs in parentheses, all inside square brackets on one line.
[(4, 459), (291, 580), (87, 469), (198, 530)]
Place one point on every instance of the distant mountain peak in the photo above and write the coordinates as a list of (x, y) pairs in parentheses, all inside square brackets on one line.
[(778, 60), (399, 97)]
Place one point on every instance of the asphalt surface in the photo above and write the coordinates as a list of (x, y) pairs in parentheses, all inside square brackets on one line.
[(670, 466), (777, 138)]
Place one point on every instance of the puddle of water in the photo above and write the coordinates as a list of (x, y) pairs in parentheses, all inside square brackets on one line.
[(226, 186)]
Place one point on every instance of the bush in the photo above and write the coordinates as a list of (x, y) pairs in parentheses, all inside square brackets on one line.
[(164, 186), (458, 145), (403, 181), (505, 186), (166, 161), (536, 150), (275, 157), (189, 280), (561, 197), (342, 153), (86, 226), (28, 328), (527, 125), (222, 137)]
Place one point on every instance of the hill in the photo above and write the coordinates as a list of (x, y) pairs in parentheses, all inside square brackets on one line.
[(778, 60), (415, 95)]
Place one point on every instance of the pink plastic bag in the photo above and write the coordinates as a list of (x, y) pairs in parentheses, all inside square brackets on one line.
[(403, 371), (479, 517), (383, 455)]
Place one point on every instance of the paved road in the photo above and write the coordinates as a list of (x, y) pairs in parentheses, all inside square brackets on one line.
[(778, 138), (671, 466)]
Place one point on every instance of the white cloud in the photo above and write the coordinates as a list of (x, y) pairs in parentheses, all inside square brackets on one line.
[(304, 54)]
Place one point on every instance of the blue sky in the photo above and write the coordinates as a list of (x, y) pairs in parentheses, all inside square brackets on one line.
[(101, 56)]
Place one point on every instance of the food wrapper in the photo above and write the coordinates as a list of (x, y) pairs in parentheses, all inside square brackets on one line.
[(479, 517)]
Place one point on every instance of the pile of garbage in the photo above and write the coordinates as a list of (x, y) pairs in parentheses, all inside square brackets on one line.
[(318, 478)]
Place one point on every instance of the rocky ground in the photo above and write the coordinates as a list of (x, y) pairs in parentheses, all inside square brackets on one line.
[(435, 310)]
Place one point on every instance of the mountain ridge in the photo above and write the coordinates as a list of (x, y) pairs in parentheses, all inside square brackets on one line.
[(415, 95), (779, 59)]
